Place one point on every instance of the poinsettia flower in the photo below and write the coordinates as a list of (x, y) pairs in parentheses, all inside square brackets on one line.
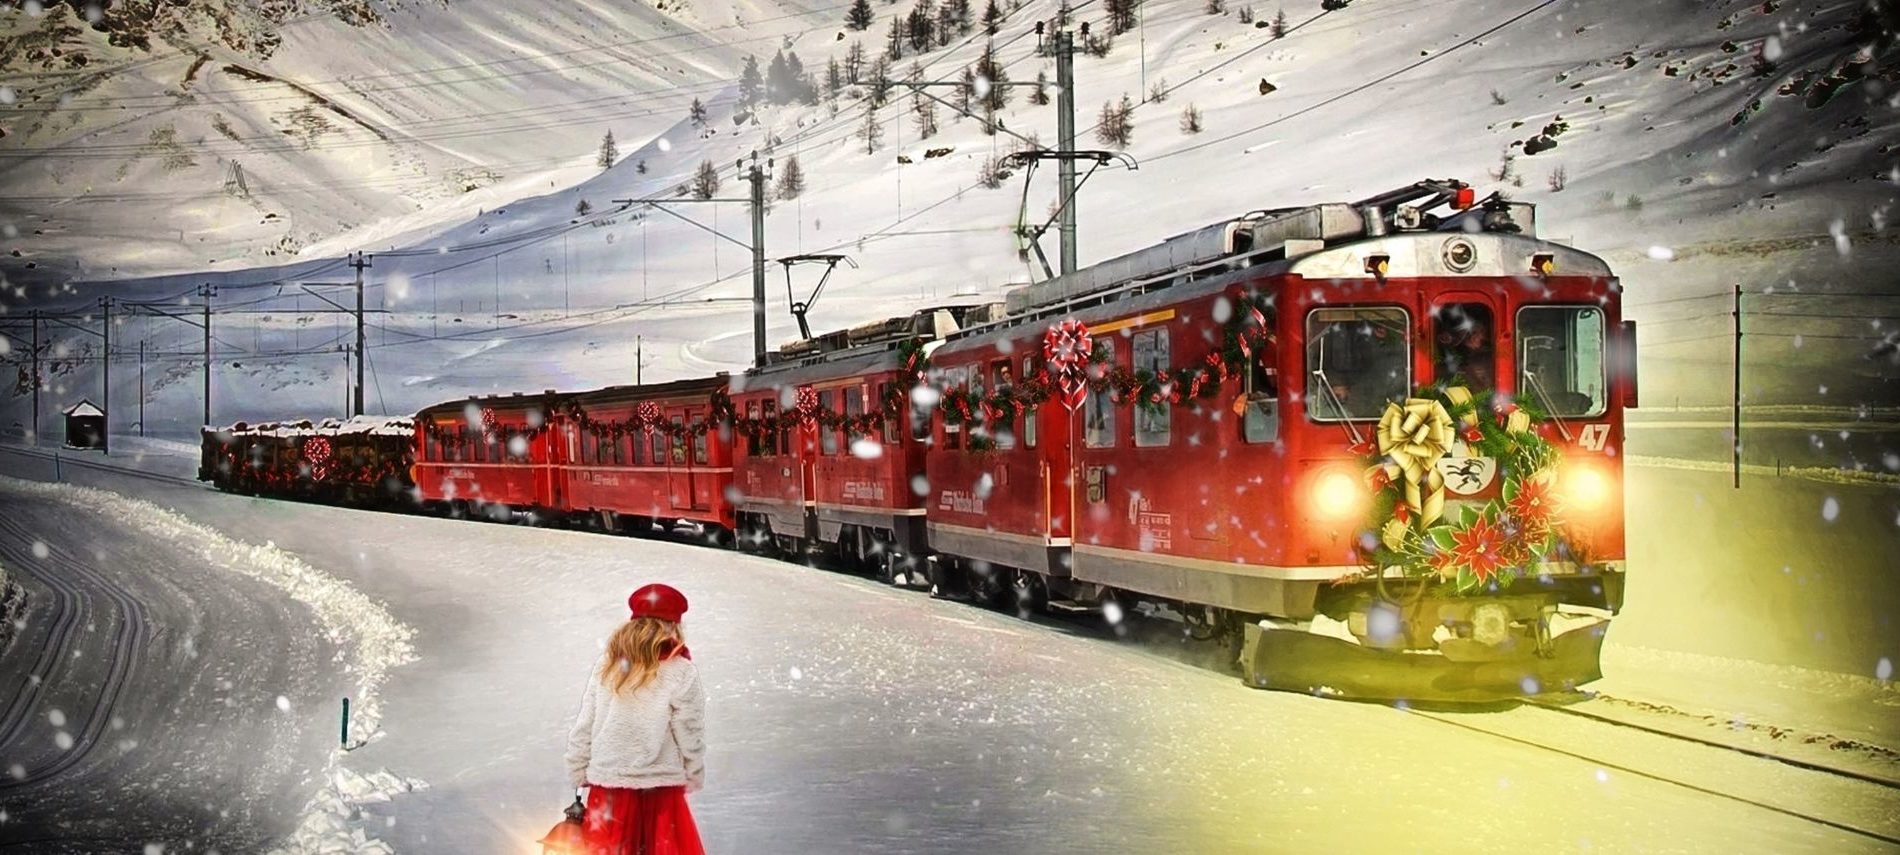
[(1481, 548), (1533, 504)]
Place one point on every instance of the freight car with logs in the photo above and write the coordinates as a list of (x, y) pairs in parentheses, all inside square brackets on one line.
[(1374, 446)]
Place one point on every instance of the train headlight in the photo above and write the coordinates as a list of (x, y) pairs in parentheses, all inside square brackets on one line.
[(1585, 488), (1336, 495)]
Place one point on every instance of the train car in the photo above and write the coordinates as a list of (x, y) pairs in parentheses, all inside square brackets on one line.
[(363, 460), (831, 446), (634, 456), (492, 456), (1340, 435)]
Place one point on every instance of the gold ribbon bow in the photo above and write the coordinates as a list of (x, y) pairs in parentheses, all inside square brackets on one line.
[(1414, 436)]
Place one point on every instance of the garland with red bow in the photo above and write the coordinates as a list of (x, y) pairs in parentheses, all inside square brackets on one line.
[(1247, 329)]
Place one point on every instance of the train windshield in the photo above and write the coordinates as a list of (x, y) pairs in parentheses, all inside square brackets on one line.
[(1356, 361), (1560, 359)]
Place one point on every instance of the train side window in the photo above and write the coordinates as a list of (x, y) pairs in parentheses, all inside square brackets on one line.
[(1002, 381), (1260, 422), (636, 448), (656, 445), (679, 440), (752, 441), (827, 437), (622, 453), (769, 442), (1562, 359), (853, 409), (953, 378), (702, 443), (1154, 421), (892, 435), (1098, 410), (1029, 412)]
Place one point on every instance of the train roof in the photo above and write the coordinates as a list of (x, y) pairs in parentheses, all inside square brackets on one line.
[(652, 391), (354, 425), (1300, 240), (509, 401)]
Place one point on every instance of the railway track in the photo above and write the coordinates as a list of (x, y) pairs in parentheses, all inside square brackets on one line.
[(1473, 724), (58, 571), (100, 465)]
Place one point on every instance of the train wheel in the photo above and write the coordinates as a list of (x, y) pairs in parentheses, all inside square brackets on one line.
[(887, 562), (1029, 593), (458, 510)]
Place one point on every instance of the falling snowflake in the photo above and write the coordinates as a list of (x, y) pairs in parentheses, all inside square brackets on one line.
[(1662, 253), (797, 674), (1830, 509), (64, 740), (1603, 776), (1883, 670), (283, 703), (866, 448), (664, 144), (56, 717), (920, 485), (39, 550), (1838, 230)]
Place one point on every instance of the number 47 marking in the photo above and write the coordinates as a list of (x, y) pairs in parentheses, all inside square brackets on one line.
[(1593, 437)]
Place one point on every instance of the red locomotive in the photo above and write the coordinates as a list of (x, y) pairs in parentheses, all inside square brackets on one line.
[(1374, 446)]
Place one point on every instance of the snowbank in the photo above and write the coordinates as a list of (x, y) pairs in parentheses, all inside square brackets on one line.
[(371, 642)]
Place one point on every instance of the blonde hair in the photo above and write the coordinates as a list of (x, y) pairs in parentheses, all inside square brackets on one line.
[(635, 651)]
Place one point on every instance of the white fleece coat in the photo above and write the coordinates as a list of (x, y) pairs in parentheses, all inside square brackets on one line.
[(653, 736)]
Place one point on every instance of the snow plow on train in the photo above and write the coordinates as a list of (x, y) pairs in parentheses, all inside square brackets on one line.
[(1372, 447)]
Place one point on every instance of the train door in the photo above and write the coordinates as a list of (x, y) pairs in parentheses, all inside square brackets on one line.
[(546, 457), (808, 461), (699, 472), (679, 477)]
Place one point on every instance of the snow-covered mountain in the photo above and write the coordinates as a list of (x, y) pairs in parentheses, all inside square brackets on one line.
[(161, 137), (1697, 145)]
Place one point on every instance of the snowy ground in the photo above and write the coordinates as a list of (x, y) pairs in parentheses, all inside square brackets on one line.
[(851, 717), (186, 702)]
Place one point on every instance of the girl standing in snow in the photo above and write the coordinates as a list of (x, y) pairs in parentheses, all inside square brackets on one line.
[(638, 745)]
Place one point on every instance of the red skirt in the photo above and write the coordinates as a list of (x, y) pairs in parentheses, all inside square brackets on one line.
[(653, 821)]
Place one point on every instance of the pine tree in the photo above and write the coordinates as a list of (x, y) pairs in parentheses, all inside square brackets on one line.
[(920, 25), (859, 17), (880, 82), (778, 80), (797, 81), (791, 179), (608, 152), (705, 181), (582, 207), (1278, 29), (751, 84), (924, 112), (1039, 96), (997, 98), (697, 113), (965, 21), (640, 167), (992, 18), (966, 92), (894, 43), (1191, 120), (1117, 125), (854, 63), (872, 131), (946, 24), (1121, 15), (1215, 7), (834, 79)]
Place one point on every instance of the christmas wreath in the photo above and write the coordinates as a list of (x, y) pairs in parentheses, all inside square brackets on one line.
[(1478, 545)]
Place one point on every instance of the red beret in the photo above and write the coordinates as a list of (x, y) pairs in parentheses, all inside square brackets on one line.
[(657, 601)]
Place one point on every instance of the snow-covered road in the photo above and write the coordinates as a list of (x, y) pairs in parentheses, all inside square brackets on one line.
[(141, 694), (850, 717)]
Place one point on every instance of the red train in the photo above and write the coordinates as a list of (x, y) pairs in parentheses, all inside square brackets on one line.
[(1374, 446)]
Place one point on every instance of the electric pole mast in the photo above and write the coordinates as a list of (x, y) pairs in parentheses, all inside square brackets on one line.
[(756, 176), (206, 292), (141, 386), (34, 434), (359, 262), (105, 383), (1065, 139)]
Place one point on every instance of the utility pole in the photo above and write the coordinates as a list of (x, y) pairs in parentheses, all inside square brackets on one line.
[(105, 383), (639, 361), (34, 434), (206, 291), (1736, 393), (141, 387), (1065, 141), (756, 176), (359, 262)]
